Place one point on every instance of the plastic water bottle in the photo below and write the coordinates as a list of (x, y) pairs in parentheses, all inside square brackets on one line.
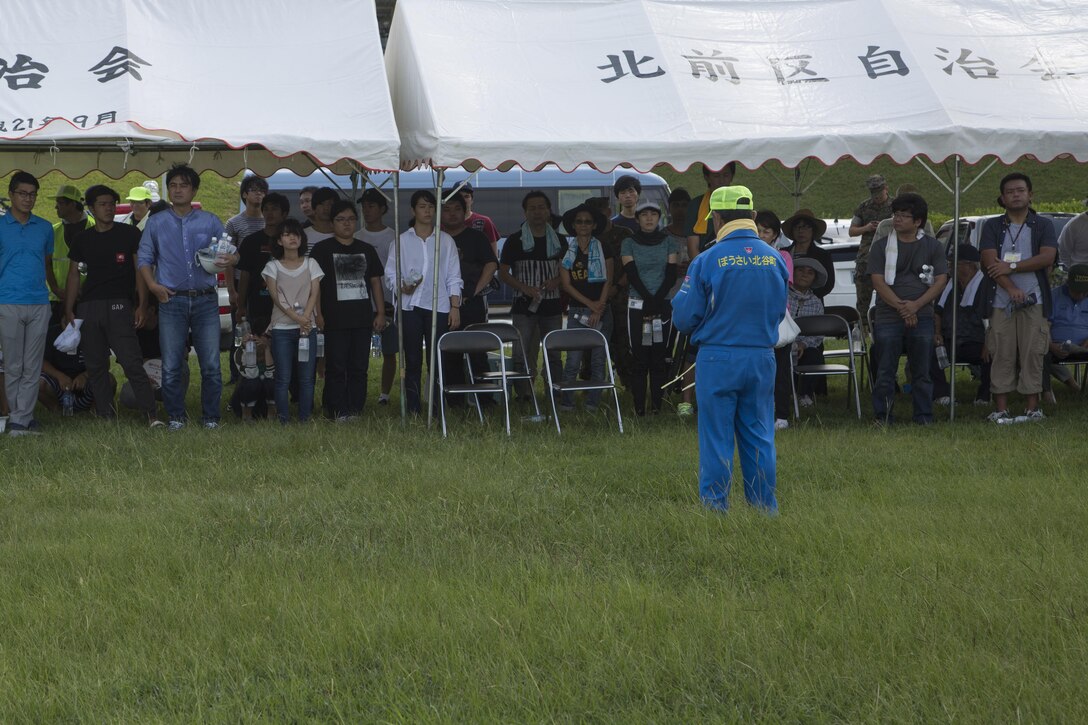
[(249, 354), (1067, 346), (68, 403), (376, 345), (304, 348), (534, 303), (926, 274), (241, 330), (942, 357), (321, 344)]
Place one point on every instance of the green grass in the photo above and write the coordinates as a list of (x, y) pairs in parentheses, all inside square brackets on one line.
[(369, 572), (837, 190)]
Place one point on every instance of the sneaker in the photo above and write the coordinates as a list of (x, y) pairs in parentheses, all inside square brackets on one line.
[(154, 423), (15, 430), (781, 424), (806, 401), (943, 400), (175, 425), (1000, 416), (383, 400), (1033, 415), (685, 410), (211, 425)]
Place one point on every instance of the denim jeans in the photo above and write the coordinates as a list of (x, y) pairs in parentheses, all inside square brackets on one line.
[(891, 339), (596, 360), (179, 316), (285, 355)]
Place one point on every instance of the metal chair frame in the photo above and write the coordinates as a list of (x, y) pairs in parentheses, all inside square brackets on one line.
[(587, 340), (467, 342), (509, 334), (826, 326)]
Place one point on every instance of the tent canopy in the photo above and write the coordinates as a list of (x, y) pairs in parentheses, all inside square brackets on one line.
[(609, 82), (136, 84)]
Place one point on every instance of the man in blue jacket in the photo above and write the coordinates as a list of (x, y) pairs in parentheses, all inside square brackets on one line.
[(731, 304)]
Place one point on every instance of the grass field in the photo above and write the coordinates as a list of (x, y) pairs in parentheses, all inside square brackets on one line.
[(369, 572)]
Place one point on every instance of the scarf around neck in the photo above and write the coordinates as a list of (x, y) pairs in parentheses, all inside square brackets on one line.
[(595, 268), (528, 241)]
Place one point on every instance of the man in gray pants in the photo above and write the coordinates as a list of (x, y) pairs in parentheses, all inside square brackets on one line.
[(112, 304), (26, 242)]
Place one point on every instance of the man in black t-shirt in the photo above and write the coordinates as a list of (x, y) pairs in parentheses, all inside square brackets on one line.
[(352, 307), (254, 304), (112, 304), (530, 265)]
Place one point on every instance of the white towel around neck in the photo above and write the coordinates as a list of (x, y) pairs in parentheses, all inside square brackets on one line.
[(891, 255), (969, 292)]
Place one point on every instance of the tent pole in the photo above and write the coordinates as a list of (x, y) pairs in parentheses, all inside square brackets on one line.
[(432, 351), (796, 188), (355, 192), (396, 297), (954, 281)]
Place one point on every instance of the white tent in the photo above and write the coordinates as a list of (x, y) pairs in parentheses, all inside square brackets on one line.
[(135, 85), (640, 82)]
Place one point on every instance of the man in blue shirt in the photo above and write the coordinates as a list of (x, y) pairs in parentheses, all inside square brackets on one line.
[(187, 296), (731, 304), (26, 246)]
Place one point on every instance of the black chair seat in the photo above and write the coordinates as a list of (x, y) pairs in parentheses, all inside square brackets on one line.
[(827, 369), (582, 385)]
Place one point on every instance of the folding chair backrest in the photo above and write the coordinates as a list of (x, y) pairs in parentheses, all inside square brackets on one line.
[(823, 326), (507, 333), (850, 314), (469, 341), (579, 338)]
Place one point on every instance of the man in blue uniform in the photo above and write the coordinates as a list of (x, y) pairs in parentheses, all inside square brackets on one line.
[(731, 304)]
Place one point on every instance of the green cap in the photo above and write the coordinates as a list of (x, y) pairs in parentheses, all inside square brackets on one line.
[(67, 191), (138, 193), (729, 198)]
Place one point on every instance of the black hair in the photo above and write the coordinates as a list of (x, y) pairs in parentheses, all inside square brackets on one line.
[(185, 171), (157, 206), (425, 195), (322, 195), (291, 226), (913, 203), (340, 206), (456, 199), (626, 182), (769, 219), (732, 215), (100, 190), (598, 204), (679, 194), (252, 183), (23, 177), (277, 200), (305, 189), (535, 194), (1015, 176), (373, 196), (732, 166)]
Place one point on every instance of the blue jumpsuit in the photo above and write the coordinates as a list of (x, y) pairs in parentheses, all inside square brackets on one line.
[(731, 304)]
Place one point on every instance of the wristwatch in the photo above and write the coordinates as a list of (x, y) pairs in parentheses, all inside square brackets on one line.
[(1012, 266)]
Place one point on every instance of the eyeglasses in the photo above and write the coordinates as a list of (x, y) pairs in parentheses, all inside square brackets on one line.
[(345, 219), (25, 194)]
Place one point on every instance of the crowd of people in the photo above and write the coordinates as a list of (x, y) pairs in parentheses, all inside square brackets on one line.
[(315, 298)]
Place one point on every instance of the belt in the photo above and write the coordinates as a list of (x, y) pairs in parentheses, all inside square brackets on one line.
[(195, 292)]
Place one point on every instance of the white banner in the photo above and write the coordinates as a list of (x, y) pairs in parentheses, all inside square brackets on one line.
[(681, 81), (292, 77)]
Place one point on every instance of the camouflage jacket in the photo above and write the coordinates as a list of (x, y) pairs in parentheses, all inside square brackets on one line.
[(870, 211)]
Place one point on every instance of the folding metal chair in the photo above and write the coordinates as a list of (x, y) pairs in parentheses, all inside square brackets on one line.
[(850, 314), (826, 326), (509, 336), (466, 343), (587, 340)]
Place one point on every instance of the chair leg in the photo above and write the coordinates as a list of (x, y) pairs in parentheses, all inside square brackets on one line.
[(793, 390)]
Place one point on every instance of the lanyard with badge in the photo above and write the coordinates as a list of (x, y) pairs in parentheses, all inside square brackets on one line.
[(1013, 256)]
